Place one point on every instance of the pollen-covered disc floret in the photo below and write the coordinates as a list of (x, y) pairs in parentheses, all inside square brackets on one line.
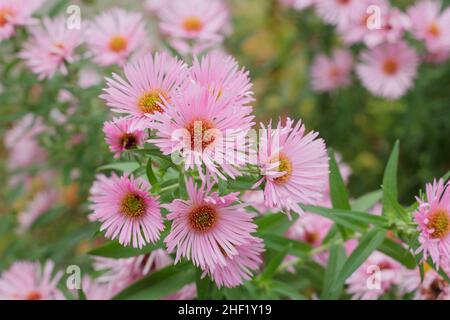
[(433, 218), (126, 210)]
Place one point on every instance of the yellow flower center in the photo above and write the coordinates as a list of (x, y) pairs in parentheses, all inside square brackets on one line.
[(434, 30), (285, 165), (133, 205), (439, 221), (118, 43), (192, 24), (202, 218), (150, 101)]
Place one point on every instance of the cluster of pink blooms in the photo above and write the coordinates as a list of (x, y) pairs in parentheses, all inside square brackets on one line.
[(388, 66)]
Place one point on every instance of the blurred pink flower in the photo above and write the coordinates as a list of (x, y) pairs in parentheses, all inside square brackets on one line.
[(194, 26), (297, 4), (115, 35), (433, 218), (331, 73), (51, 47), (208, 229), (338, 12), (14, 13), (188, 292), (89, 77), (433, 287), (388, 70), (123, 134), (94, 290), (126, 210), (294, 166), (149, 84), (30, 281), (39, 205)]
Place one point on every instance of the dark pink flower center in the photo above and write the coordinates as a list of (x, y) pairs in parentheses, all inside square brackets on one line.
[(128, 141)]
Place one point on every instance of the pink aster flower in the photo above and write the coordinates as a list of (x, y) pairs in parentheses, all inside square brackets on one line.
[(433, 287), (388, 70), (14, 13), (375, 277), (94, 290), (221, 74), (151, 82), (194, 25), (294, 165), (208, 229), (29, 281), (433, 218), (115, 35), (205, 128), (50, 47), (337, 12), (238, 268), (297, 4), (39, 205), (331, 73), (126, 209), (430, 25), (188, 292), (124, 134)]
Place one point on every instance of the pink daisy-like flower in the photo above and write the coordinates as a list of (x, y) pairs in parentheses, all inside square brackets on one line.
[(124, 134), (207, 228), (205, 128), (14, 13), (430, 25), (94, 290), (221, 74), (40, 204), (388, 70), (338, 12), (375, 277), (115, 35), (194, 25), (151, 82), (238, 268), (433, 218), (331, 73), (294, 166), (29, 281), (50, 47), (126, 210)]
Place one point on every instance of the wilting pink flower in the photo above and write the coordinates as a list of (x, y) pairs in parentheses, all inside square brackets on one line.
[(123, 134), (221, 74), (30, 281), (51, 47), (388, 70), (237, 268), (206, 128), (14, 13), (430, 25), (386, 24), (294, 165), (433, 287), (208, 228), (151, 82), (194, 25), (39, 205), (297, 4), (94, 290), (375, 277), (331, 73), (115, 35), (126, 210), (433, 218), (338, 12)]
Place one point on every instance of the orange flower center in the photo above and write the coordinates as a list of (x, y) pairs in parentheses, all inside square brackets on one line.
[(335, 73), (133, 205), (203, 218), (390, 66), (192, 24), (5, 13), (201, 134), (285, 165), (439, 221), (150, 101), (118, 43), (33, 295), (434, 30)]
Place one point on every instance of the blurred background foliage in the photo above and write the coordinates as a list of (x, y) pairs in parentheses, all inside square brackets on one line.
[(277, 45)]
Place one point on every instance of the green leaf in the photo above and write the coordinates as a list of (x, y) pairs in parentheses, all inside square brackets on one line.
[(120, 166), (286, 290), (152, 177), (270, 222), (367, 201), (335, 262), (160, 283), (204, 286), (446, 176), (390, 181), (273, 265), (398, 252), (279, 243), (367, 244), (338, 191), (182, 191)]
